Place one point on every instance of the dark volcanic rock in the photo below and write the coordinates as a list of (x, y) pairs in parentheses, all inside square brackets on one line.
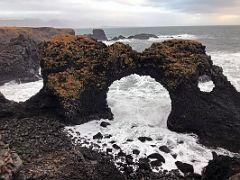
[(156, 163), (156, 156), (144, 139), (19, 60), (48, 153), (221, 168), (115, 146), (99, 34), (104, 124), (98, 136), (143, 36), (118, 38), (136, 151), (79, 72), (19, 57), (164, 149), (184, 167)]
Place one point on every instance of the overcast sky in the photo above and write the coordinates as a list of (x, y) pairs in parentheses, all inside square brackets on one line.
[(102, 13)]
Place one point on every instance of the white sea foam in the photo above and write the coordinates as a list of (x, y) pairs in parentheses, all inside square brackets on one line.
[(206, 86), (20, 92), (159, 39)]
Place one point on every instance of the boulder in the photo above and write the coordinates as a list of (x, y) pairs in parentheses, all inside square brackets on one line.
[(78, 70), (157, 156), (184, 167), (143, 36)]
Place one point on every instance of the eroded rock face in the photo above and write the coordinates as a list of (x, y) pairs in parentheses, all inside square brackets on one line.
[(77, 72), (19, 57), (19, 60)]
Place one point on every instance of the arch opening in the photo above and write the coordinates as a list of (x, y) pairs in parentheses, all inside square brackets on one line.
[(140, 100), (14, 91), (205, 84)]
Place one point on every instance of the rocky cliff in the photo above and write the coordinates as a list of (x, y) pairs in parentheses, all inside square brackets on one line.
[(77, 72), (19, 57)]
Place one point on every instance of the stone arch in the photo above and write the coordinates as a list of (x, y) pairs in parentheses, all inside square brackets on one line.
[(78, 70)]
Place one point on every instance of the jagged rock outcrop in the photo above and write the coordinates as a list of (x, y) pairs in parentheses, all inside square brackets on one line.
[(78, 71), (19, 58)]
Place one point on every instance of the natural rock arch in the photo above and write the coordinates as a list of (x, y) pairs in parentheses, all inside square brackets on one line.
[(78, 70)]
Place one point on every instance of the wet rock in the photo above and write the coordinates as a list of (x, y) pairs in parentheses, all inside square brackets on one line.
[(98, 136), (164, 149), (156, 156), (174, 156), (143, 36), (109, 150), (156, 163), (108, 136), (221, 168), (120, 37), (144, 139), (115, 146), (143, 164), (129, 140), (104, 124), (136, 151), (121, 153), (184, 167), (129, 159)]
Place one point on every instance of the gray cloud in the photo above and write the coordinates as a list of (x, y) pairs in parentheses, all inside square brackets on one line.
[(201, 6), (89, 13)]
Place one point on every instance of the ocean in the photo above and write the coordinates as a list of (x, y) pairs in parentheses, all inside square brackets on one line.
[(141, 106)]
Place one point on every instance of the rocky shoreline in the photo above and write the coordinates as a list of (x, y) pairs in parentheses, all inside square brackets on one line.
[(77, 72)]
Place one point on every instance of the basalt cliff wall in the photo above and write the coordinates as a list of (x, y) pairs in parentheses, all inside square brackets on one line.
[(19, 57)]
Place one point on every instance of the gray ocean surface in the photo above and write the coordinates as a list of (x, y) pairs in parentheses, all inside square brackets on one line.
[(216, 38)]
